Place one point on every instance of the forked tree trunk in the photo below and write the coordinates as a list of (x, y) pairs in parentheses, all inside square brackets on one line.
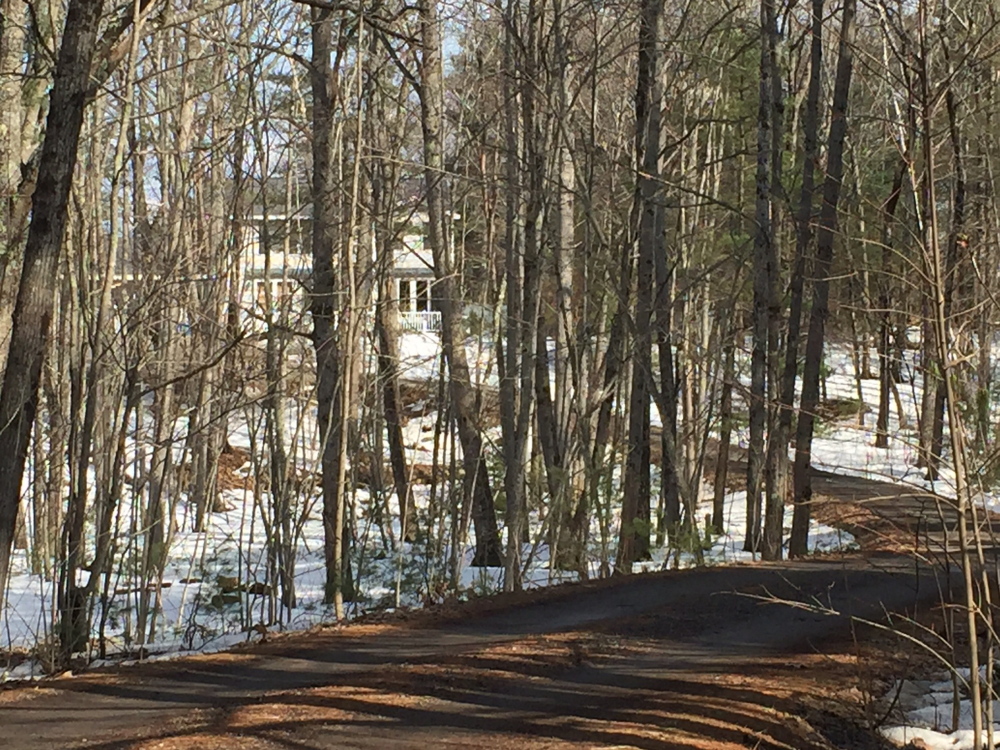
[(885, 368), (670, 469), (565, 470), (633, 538), (36, 292), (330, 372), (384, 180), (476, 481), (509, 359), (956, 241), (775, 468), (387, 326), (798, 545), (764, 259), (725, 432), (613, 372), (803, 240), (937, 293)]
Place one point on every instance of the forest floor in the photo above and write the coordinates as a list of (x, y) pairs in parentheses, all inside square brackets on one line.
[(755, 655)]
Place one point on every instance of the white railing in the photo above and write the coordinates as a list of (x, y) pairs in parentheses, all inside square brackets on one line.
[(428, 321)]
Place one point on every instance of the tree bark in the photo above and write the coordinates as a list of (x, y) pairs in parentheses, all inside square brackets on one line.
[(776, 461), (330, 372), (12, 25), (798, 545), (803, 239), (885, 368), (764, 260), (633, 540), (476, 481), (725, 432), (35, 297), (956, 241)]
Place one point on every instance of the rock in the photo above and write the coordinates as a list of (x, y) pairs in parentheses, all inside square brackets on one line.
[(220, 601)]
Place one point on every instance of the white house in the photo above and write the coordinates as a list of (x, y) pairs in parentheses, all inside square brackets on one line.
[(288, 265), (413, 271)]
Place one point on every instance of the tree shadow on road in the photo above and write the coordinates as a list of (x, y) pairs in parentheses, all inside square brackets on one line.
[(566, 691)]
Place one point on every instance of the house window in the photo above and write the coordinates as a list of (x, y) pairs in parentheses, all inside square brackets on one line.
[(423, 296), (281, 293), (415, 295), (405, 295)]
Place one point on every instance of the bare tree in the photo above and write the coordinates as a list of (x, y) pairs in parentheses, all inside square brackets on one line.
[(633, 542), (477, 489), (798, 544), (33, 309)]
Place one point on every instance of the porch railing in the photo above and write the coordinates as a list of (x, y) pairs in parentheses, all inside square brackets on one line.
[(428, 321)]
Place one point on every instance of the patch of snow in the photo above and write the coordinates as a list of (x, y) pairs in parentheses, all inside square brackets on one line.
[(235, 542), (925, 713), (931, 739)]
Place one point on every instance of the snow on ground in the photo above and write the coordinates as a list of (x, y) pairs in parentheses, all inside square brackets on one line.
[(420, 358), (728, 547), (932, 740), (195, 615), (849, 449), (926, 707), (198, 613)]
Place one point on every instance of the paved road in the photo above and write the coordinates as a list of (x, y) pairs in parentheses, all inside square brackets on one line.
[(700, 621), (910, 515)]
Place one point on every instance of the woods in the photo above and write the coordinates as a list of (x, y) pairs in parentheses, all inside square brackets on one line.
[(312, 308)]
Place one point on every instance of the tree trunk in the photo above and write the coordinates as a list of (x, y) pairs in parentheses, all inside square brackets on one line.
[(477, 481), (330, 373), (633, 540), (388, 361), (798, 545), (956, 241), (765, 258), (670, 469), (776, 460), (885, 370), (725, 433), (803, 239), (35, 298), (563, 459), (12, 26), (387, 328)]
